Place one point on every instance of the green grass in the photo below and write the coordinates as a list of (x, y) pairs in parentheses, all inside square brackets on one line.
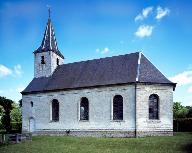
[(181, 142)]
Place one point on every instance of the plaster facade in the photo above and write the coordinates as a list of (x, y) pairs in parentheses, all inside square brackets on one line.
[(100, 121), (47, 69)]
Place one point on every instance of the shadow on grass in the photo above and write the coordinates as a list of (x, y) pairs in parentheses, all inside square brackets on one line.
[(188, 148)]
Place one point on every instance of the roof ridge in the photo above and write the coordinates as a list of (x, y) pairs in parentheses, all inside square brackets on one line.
[(99, 58)]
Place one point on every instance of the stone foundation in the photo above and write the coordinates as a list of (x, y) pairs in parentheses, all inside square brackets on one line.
[(87, 133), (154, 133), (92, 133)]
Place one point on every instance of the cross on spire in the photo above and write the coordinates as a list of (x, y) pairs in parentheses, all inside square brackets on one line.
[(49, 42), (49, 11)]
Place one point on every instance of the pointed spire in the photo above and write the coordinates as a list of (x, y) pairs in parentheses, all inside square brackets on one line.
[(49, 42), (49, 10)]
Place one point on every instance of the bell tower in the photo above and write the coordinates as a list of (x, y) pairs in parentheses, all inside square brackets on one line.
[(47, 57)]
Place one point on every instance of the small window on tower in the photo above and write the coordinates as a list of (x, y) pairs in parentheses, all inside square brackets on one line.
[(31, 104), (57, 61), (42, 60)]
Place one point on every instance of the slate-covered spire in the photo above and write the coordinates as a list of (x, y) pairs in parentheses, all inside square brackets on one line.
[(49, 42)]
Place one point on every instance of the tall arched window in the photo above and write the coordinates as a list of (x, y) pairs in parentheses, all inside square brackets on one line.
[(153, 106), (84, 109), (55, 110), (118, 107)]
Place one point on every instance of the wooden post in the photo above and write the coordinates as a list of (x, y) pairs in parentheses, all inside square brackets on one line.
[(17, 138), (3, 138)]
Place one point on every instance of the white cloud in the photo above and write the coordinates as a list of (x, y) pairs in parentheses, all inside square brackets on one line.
[(190, 89), (18, 70), (103, 51), (97, 50), (19, 89), (144, 31), (146, 11), (162, 12), (139, 17), (183, 78), (4, 71)]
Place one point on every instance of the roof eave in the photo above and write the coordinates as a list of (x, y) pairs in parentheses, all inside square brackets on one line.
[(97, 86)]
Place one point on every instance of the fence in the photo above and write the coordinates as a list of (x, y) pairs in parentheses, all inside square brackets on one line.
[(182, 125), (15, 138)]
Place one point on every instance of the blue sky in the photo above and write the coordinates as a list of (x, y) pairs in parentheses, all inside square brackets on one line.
[(89, 29)]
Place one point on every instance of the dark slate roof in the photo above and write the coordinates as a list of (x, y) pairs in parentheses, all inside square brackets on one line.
[(123, 69), (49, 42), (149, 73)]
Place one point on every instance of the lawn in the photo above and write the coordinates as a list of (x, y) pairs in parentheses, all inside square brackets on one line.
[(181, 142)]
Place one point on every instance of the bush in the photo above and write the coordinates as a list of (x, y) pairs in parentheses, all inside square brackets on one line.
[(16, 127), (182, 125)]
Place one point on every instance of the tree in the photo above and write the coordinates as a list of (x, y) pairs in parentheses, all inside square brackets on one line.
[(6, 119), (20, 103), (16, 117), (16, 113), (1, 111), (180, 111), (189, 114)]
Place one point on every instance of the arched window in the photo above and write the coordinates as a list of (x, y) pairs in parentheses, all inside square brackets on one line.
[(118, 107), (153, 106), (55, 110), (31, 104), (84, 109)]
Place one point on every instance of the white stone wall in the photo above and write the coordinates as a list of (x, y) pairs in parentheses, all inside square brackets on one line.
[(50, 65), (100, 109), (165, 122)]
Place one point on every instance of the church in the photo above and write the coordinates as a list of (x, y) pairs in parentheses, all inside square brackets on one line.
[(119, 96)]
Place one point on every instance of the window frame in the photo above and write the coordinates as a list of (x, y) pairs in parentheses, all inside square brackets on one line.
[(158, 108), (112, 108), (88, 109), (51, 110)]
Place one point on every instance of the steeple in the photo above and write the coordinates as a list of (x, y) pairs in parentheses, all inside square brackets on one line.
[(49, 42), (47, 57)]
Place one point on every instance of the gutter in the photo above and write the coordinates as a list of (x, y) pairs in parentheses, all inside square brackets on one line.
[(136, 81)]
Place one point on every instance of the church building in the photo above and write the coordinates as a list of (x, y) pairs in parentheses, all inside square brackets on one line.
[(119, 96)]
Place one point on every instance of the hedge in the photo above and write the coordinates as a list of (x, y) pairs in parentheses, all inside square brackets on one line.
[(16, 127), (182, 125)]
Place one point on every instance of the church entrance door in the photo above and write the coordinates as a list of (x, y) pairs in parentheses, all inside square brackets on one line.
[(31, 125)]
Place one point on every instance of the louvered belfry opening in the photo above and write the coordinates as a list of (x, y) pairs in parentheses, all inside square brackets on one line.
[(55, 110), (84, 109), (153, 106), (118, 107)]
